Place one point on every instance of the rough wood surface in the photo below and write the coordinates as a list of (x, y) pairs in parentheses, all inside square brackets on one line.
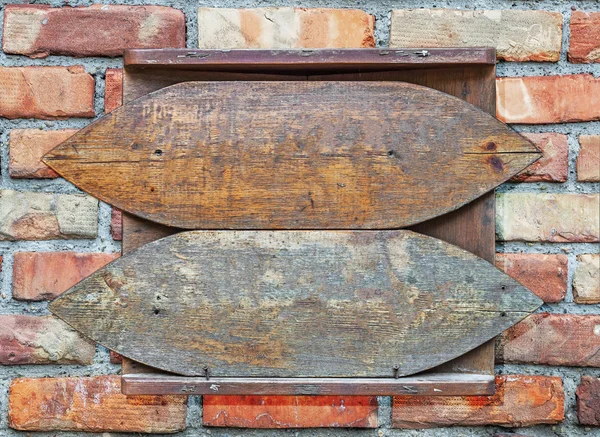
[(292, 155), (450, 384), (295, 304)]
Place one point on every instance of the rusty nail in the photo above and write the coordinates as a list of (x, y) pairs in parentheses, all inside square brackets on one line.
[(207, 372)]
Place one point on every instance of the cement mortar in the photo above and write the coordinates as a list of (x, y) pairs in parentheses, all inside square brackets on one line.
[(104, 243)]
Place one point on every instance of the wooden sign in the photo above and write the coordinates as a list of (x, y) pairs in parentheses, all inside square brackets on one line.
[(292, 155), (295, 303)]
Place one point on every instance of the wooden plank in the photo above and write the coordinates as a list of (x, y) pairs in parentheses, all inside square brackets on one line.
[(295, 304), (430, 385), (306, 61), (292, 155)]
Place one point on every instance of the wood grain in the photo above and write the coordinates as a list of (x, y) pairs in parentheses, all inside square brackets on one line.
[(292, 155), (295, 304)]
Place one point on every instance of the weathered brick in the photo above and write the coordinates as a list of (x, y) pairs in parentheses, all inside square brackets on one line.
[(553, 339), (46, 92), (46, 275), (41, 340), (285, 27), (115, 358), (90, 404), (290, 411), (517, 35), (99, 30), (520, 400), (553, 166), (28, 146), (548, 217), (545, 275), (116, 224), (588, 161), (47, 216), (588, 401), (113, 89), (586, 281), (548, 99), (584, 45)]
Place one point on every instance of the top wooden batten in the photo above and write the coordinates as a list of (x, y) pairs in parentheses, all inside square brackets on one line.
[(465, 73)]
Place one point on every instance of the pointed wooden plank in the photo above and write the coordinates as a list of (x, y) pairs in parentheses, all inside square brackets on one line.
[(292, 155), (295, 304)]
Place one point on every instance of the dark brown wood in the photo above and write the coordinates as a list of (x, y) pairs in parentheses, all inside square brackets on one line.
[(428, 385), (473, 83), (292, 155), (295, 303), (320, 61)]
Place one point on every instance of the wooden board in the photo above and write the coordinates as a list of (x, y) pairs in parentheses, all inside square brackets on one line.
[(295, 304), (292, 155)]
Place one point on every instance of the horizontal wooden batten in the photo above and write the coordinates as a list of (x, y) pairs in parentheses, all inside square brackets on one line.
[(450, 384), (309, 61)]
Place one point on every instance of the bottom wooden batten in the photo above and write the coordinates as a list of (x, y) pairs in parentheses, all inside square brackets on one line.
[(437, 384)]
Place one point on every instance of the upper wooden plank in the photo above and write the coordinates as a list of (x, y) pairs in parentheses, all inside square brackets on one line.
[(309, 61), (292, 155), (295, 304)]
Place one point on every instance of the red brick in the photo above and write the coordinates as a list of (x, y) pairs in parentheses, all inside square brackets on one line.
[(92, 405), (46, 275), (99, 30), (584, 46), (545, 275), (553, 339), (548, 217), (46, 92), (28, 146), (284, 27), (517, 35), (116, 224), (588, 161), (41, 340), (113, 89), (290, 411), (520, 400), (116, 358), (548, 99), (588, 401), (553, 166)]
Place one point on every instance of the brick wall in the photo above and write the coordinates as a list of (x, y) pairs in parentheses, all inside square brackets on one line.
[(59, 69)]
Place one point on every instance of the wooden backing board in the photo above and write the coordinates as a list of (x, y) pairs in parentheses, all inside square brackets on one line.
[(471, 227), (292, 155)]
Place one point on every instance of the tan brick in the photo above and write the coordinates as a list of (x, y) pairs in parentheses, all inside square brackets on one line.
[(548, 99), (588, 161), (290, 411), (548, 217), (545, 275), (517, 35), (99, 30), (92, 405), (28, 146), (46, 92), (588, 401), (553, 166), (41, 340), (584, 45), (47, 216), (285, 27), (113, 89), (520, 400), (46, 275), (586, 280), (553, 339)]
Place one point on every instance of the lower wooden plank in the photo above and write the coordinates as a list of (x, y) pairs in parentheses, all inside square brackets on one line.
[(441, 384)]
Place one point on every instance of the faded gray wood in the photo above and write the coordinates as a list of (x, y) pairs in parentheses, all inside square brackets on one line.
[(450, 384), (292, 155), (295, 303)]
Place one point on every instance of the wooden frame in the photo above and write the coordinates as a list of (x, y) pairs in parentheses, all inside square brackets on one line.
[(466, 73)]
